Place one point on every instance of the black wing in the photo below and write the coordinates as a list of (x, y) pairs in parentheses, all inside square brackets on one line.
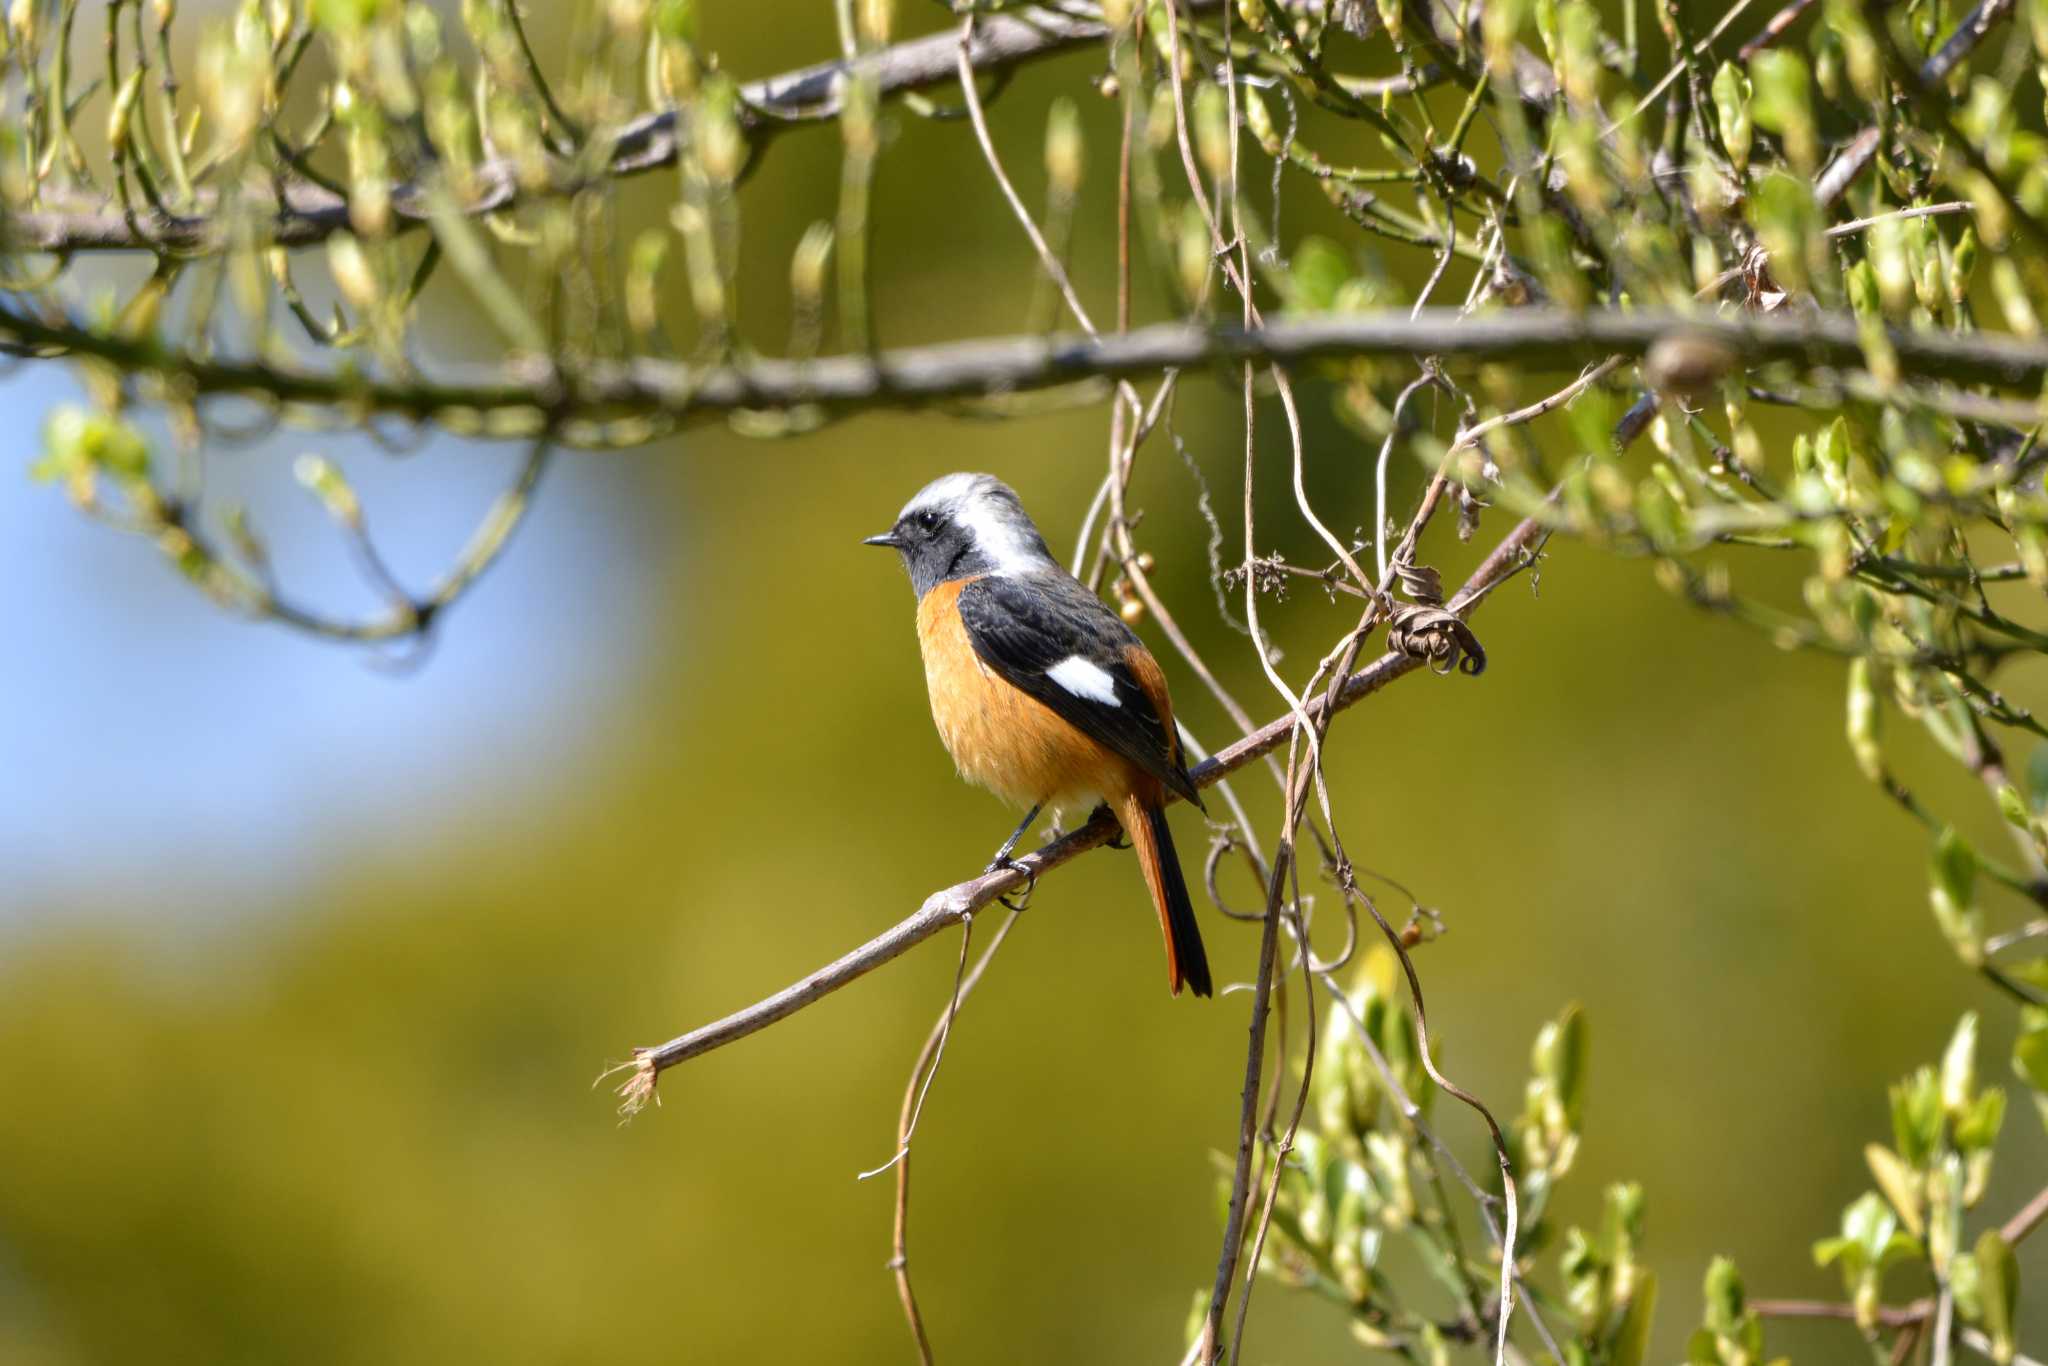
[(1025, 627)]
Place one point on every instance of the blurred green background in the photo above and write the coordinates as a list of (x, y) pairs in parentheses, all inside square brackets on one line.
[(335, 1103)]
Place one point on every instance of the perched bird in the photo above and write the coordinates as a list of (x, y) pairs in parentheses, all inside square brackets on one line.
[(1041, 694)]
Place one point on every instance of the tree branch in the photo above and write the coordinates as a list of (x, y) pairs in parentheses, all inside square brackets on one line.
[(2027, 1219), (2013, 1231), (997, 366), (303, 214), (1850, 162)]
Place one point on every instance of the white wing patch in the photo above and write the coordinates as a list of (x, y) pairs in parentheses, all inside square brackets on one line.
[(1085, 678)]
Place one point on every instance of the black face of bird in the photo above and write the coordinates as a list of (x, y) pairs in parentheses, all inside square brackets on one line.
[(963, 525), (934, 545)]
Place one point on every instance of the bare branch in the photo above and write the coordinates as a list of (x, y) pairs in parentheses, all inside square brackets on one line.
[(988, 367)]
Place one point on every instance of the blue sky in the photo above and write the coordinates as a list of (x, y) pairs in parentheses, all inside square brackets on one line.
[(159, 752)]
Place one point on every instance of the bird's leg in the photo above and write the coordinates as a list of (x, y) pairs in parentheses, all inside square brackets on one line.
[(1003, 860), (1120, 840)]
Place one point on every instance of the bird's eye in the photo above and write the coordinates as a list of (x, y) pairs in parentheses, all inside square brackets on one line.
[(928, 519)]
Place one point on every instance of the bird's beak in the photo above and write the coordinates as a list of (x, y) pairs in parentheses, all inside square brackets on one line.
[(888, 538)]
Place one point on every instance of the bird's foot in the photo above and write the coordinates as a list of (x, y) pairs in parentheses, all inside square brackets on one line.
[(1016, 901), (1117, 841)]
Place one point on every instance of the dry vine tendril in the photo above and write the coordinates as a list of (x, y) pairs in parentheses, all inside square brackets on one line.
[(1804, 253)]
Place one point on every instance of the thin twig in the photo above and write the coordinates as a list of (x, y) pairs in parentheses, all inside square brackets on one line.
[(914, 1092), (2015, 1230)]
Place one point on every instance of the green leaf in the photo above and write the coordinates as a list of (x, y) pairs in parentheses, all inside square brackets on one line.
[(1546, 28), (1783, 103), (1624, 1210), (77, 440), (347, 16), (1966, 1283), (1865, 297), (1585, 1281), (1731, 110), (1959, 1067), (1591, 417), (1998, 1290), (1827, 61), (1977, 1129), (1832, 451), (1314, 275), (1953, 896), (1962, 265), (1725, 1300), (2037, 778), (676, 20), (1560, 1059), (1828, 1251), (1899, 1184), (1658, 515), (1404, 1053), (1789, 223), (2032, 971), (1631, 1346), (325, 481), (1435, 1352), (1869, 1223), (1536, 1188), (2030, 1050), (1916, 1117), (1863, 718)]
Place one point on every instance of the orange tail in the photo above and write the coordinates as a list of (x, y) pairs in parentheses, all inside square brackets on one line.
[(1186, 961)]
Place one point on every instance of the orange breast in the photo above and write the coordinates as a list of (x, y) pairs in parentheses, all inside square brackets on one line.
[(1001, 738)]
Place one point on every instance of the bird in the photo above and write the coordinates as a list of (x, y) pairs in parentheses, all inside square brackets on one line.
[(1040, 692)]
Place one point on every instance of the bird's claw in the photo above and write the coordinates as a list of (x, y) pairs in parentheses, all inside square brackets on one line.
[(1016, 901)]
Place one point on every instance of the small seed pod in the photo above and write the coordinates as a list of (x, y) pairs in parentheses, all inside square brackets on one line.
[(1687, 366)]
